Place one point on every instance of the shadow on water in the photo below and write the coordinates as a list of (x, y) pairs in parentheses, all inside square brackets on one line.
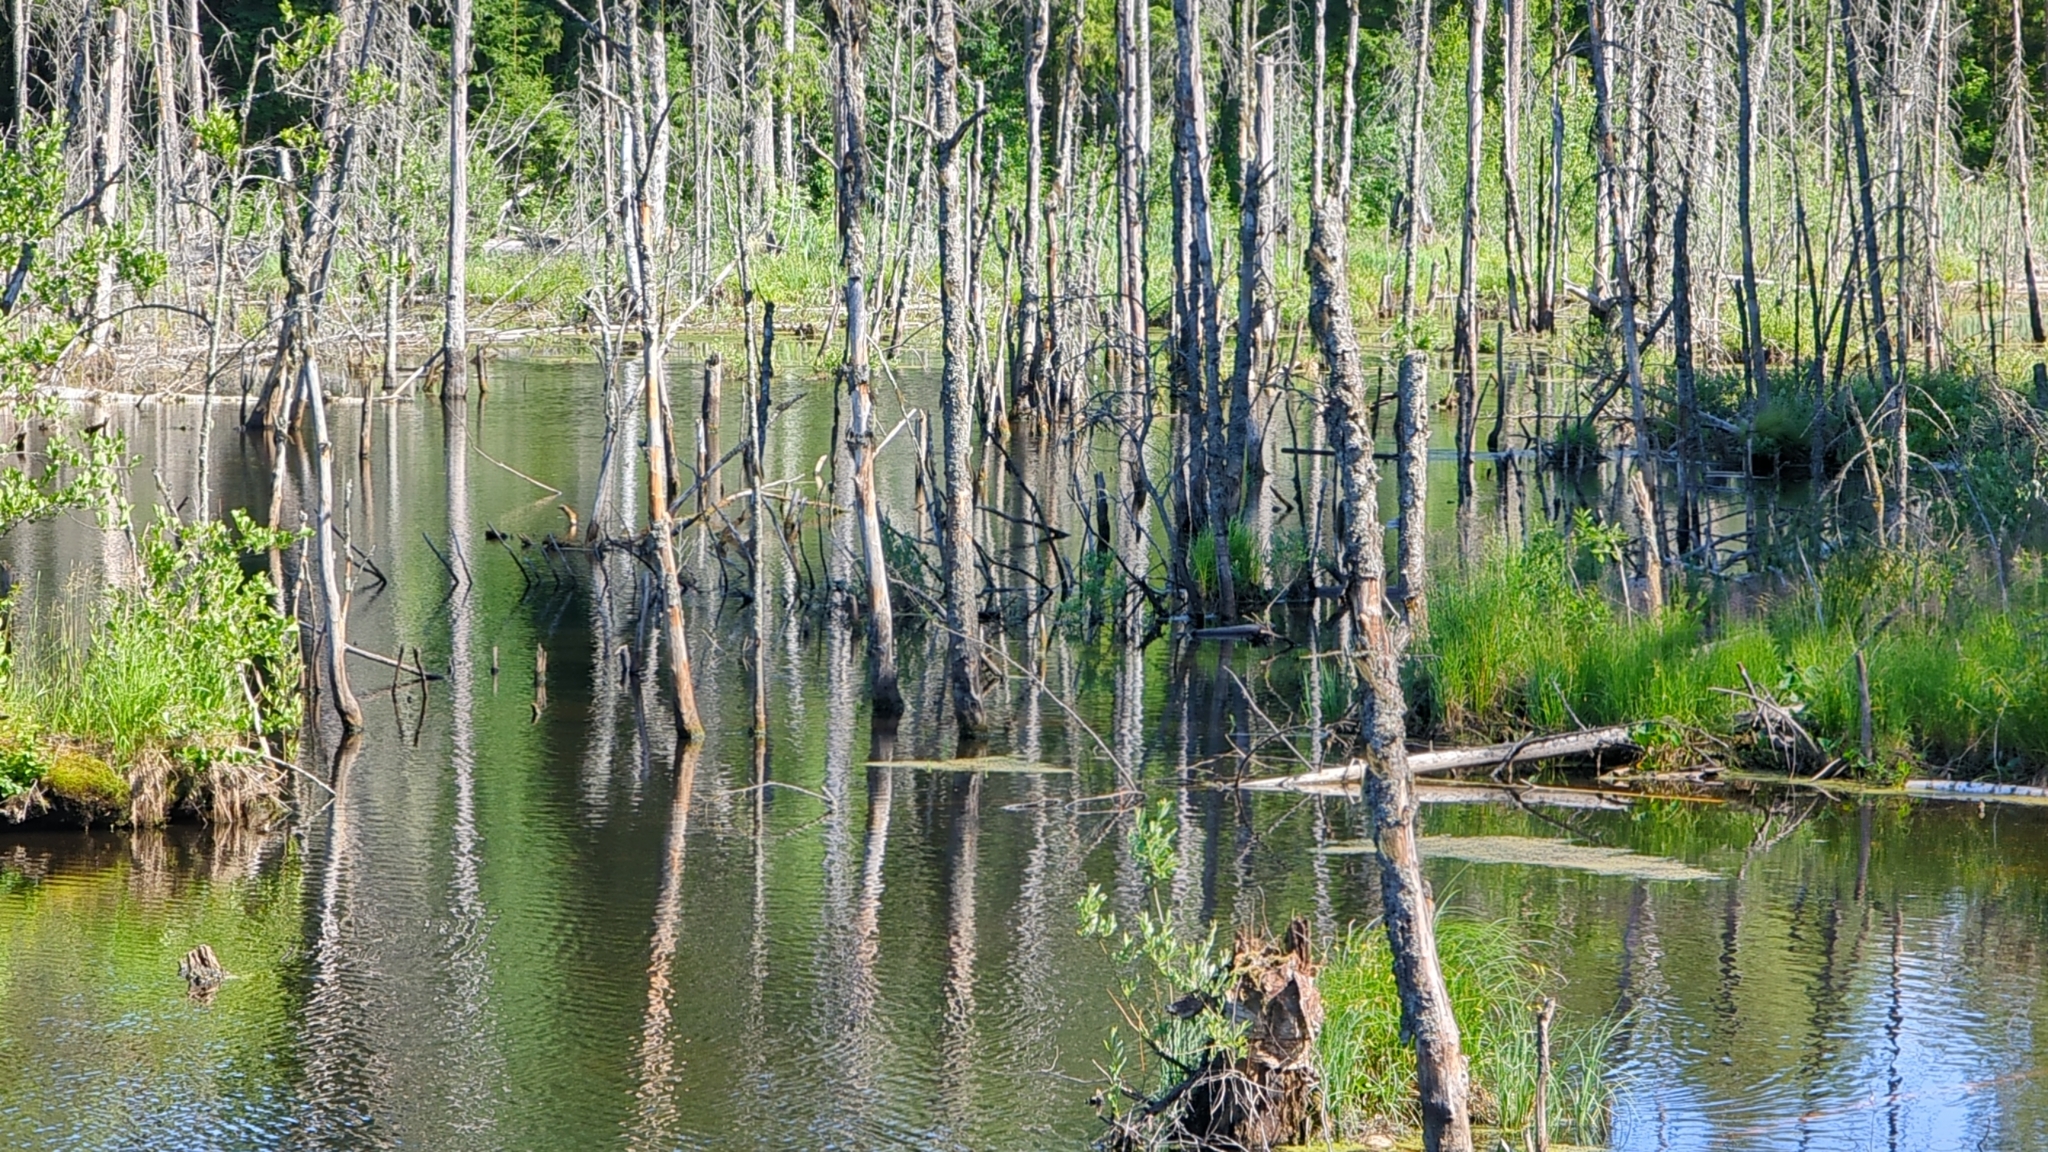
[(527, 925)]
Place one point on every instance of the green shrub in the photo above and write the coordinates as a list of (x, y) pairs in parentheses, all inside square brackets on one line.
[(191, 661), (23, 760)]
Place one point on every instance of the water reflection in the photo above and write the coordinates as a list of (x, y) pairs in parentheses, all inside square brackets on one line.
[(487, 936)]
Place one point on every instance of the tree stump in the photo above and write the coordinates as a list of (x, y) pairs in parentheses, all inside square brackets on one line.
[(1265, 1096), (202, 972)]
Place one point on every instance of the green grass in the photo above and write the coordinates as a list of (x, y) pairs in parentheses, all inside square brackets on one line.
[(1956, 680), (176, 673), (1369, 1073)]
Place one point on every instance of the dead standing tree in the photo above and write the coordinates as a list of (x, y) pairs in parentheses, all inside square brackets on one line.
[(1212, 480), (962, 575), (846, 26), (1441, 1074), (455, 327), (1466, 342), (646, 119)]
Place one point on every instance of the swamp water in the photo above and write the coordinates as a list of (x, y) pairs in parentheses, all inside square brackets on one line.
[(527, 928)]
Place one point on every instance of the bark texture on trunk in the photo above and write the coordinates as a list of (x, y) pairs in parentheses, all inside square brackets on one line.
[(961, 572), (846, 27), (1411, 441), (455, 328), (1443, 1081)]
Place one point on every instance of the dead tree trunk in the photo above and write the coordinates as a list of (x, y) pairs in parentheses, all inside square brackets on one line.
[(956, 409), (1892, 524), (1620, 292), (662, 527), (109, 163), (455, 329), (334, 607), (1134, 392), (1411, 441), (1514, 73), (1200, 335), (2019, 111), (709, 490), (846, 26), (1257, 313), (1027, 387), (1550, 229), (1745, 151), (1411, 182), (1442, 1079), (1467, 339)]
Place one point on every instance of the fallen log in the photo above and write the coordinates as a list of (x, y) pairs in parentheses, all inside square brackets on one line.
[(1604, 743), (1249, 633)]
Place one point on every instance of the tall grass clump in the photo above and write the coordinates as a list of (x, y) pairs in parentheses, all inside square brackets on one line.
[(1369, 1073), (1957, 682), (169, 683)]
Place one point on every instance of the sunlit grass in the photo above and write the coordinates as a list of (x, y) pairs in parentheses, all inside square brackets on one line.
[(1956, 679), (1369, 1072)]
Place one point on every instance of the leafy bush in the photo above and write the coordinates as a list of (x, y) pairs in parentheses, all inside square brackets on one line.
[(190, 662)]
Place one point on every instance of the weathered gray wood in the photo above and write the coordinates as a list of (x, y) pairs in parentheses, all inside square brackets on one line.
[(961, 575), (1616, 740)]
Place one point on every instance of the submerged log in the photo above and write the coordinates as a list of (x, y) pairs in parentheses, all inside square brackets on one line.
[(1605, 744)]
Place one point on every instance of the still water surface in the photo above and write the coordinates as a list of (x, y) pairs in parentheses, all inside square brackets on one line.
[(514, 928)]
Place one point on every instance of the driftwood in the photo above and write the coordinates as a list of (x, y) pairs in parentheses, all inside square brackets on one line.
[(1249, 633), (1605, 744), (202, 973), (1265, 1096)]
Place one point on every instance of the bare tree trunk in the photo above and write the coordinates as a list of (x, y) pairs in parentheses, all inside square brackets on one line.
[(1682, 376), (1550, 231), (455, 330), (1892, 525), (334, 609), (1027, 389), (2019, 111), (1257, 313), (1443, 1082), (195, 61), (757, 515), (709, 490), (956, 545), (785, 79), (1514, 73), (1200, 335), (18, 34), (1411, 180), (1411, 442), (1135, 385), (846, 25), (110, 161), (1620, 293), (1745, 150), (1467, 337)]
